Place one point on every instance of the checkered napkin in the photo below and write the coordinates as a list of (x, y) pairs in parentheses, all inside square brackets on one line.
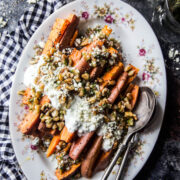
[(11, 47)]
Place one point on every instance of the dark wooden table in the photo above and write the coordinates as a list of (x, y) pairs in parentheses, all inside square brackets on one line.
[(164, 162)]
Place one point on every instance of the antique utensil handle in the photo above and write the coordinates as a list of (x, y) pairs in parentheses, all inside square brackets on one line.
[(113, 162), (120, 172)]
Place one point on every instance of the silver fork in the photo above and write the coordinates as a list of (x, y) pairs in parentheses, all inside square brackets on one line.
[(129, 146)]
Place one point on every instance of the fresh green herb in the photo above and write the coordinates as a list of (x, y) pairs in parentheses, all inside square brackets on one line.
[(130, 122)]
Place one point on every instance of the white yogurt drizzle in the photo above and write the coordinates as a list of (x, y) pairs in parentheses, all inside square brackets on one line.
[(79, 117), (110, 133)]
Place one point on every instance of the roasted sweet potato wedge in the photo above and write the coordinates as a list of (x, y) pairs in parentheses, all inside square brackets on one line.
[(55, 35), (79, 145), (70, 30), (96, 72), (44, 100), (91, 157), (134, 92), (67, 174), (52, 147), (118, 87), (111, 50), (112, 74), (30, 120), (103, 161), (27, 96), (106, 30), (75, 56), (66, 136), (83, 65), (128, 89), (48, 48), (74, 38), (136, 70)]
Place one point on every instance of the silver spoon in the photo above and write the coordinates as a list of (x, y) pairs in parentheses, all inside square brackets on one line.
[(144, 110)]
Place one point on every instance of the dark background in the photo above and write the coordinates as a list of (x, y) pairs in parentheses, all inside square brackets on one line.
[(164, 162)]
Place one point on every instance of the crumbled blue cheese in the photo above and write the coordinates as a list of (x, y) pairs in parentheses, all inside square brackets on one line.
[(111, 61), (79, 117), (107, 143), (45, 143), (97, 51), (114, 55), (76, 85), (96, 35), (67, 50), (110, 133), (92, 36), (77, 42), (41, 44), (35, 141)]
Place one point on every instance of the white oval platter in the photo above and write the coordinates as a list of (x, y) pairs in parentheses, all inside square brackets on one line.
[(140, 47)]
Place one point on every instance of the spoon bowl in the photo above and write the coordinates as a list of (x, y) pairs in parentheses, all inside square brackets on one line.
[(144, 110)]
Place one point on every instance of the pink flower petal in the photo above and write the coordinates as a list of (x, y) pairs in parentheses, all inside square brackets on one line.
[(145, 76), (33, 147), (109, 19), (142, 52), (85, 15)]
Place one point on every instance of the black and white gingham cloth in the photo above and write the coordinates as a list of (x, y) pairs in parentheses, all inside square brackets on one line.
[(11, 47)]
